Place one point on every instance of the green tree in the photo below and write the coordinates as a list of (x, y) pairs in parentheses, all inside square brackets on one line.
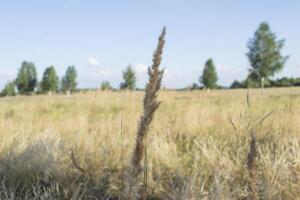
[(50, 80), (129, 79), (209, 76), (283, 82), (8, 90), (26, 78), (296, 82), (195, 86), (105, 86), (265, 54), (236, 84), (69, 83)]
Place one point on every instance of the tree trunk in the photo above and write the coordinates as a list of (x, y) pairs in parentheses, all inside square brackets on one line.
[(68, 92), (262, 82)]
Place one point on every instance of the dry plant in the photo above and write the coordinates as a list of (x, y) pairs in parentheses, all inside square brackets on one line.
[(191, 156), (253, 152), (76, 164), (251, 159), (150, 105), (251, 164)]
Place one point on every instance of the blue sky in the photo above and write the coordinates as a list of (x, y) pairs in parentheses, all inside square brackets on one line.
[(102, 37)]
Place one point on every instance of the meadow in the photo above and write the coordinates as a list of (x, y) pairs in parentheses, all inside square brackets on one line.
[(78, 147)]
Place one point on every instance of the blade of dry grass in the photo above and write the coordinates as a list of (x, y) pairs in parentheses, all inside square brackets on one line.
[(122, 158), (251, 164), (75, 163)]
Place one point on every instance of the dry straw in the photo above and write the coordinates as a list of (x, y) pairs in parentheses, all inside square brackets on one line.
[(150, 105)]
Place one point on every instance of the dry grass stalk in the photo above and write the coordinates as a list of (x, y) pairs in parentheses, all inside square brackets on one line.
[(252, 156), (248, 99), (251, 164), (122, 157), (76, 164), (150, 105)]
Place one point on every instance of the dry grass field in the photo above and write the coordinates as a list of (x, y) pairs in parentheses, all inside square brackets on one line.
[(198, 145)]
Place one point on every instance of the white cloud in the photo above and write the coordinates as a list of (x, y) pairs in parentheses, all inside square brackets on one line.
[(105, 73), (6, 74), (224, 67), (93, 62), (167, 74), (141, 68), (172, 74)]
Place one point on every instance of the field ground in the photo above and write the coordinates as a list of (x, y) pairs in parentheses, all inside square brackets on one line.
[(194, 152)]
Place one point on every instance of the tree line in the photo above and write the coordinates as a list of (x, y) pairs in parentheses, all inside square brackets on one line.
[(264, 56), (27, 83)]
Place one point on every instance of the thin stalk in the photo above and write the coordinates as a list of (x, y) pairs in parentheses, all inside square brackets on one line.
[(122, 157), (145, 170), (150, 105)]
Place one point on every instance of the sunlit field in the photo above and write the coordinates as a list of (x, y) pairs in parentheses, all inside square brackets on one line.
[(198, 144)]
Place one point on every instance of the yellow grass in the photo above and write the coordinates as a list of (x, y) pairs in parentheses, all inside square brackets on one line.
[(194, 152)]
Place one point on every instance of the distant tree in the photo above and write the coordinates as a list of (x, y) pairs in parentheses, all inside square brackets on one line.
[(265, 54), (8, 90), (50, 80), (105, 86), (283, 82), (251, 81), (39, 89), (209, 76), (69, 83), (296, 82), (129, 79), (26, 78), (236, 84), (195, 86)]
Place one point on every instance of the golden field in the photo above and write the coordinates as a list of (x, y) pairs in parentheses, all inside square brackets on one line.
[(198, 144)]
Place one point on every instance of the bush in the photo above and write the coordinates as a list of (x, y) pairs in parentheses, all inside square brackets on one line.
[(236, 84), (8, 90), (105, 86)]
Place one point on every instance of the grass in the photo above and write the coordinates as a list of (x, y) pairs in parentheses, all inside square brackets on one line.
[(150, 105), (193, 150)]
